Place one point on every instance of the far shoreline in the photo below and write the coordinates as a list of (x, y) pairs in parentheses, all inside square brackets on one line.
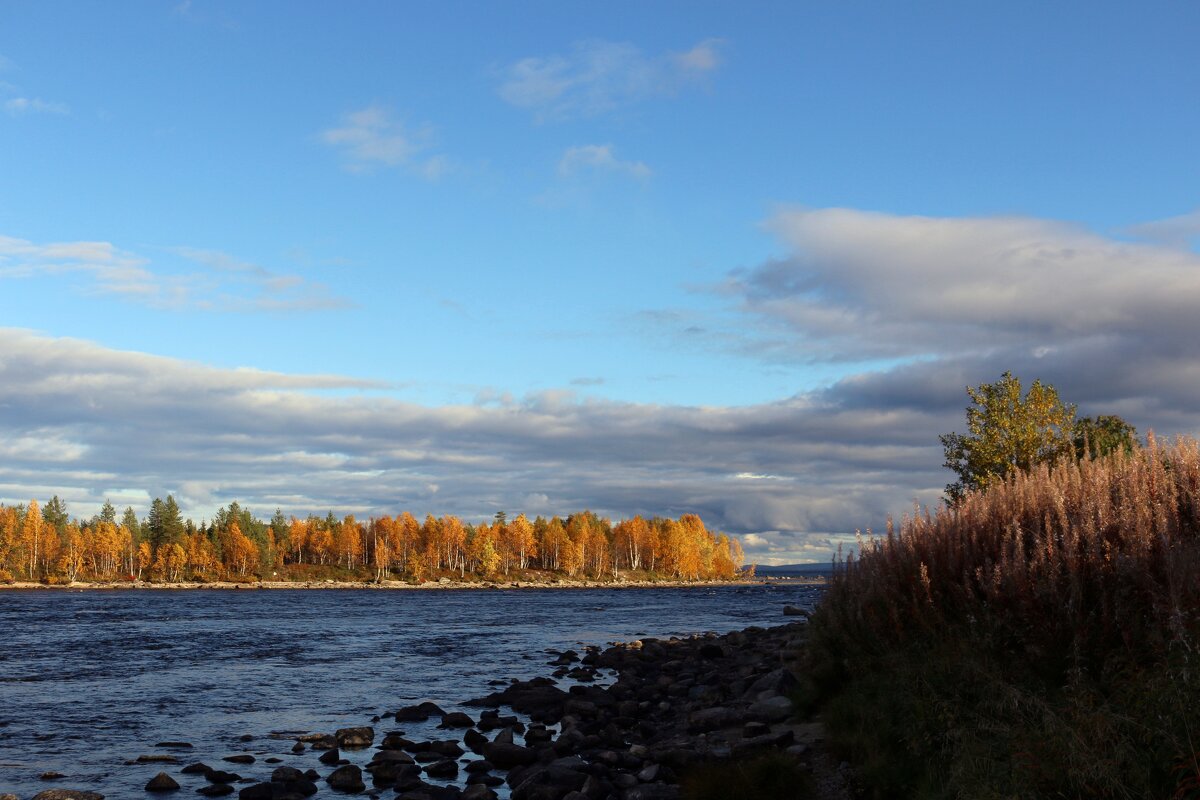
[(325, 585)]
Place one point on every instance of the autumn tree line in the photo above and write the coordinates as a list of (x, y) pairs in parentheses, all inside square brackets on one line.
[(41, 542)]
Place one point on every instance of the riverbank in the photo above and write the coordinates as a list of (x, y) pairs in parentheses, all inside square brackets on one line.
[(444, 584)]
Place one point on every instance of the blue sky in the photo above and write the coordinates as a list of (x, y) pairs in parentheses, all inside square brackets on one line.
[(488, 208)]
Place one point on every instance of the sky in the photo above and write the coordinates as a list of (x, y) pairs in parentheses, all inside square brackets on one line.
[(647, 258)]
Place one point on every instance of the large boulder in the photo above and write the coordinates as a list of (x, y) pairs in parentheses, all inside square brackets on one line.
[(346, 779), (162, 782), (67, 794), (355, 738), (507, 755)]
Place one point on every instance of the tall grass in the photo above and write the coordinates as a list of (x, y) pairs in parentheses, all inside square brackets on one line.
[(1038, 639)]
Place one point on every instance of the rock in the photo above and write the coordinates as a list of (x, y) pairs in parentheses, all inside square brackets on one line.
[(217, 776), (240, 758), (773, 709), (51, 776), (549, 782), (506, 755), (298, 747), (752, 729), (197, 768), (419, 712), (320, 741), (162, 782), (477, 791), (355, 738), (448, 748), (67, 794), (444, 769), (793, 611), (711, 719), (346, 779), (457, 719), (259, 791), (215, 790), (474, 741), (156, 758), (286, 775), (330, 757), (777, 681), (246, 737), (175, 745)]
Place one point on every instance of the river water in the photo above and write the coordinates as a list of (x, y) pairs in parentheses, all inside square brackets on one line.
[(91, 679)]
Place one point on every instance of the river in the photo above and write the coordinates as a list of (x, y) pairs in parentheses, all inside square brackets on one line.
[(90, 679)]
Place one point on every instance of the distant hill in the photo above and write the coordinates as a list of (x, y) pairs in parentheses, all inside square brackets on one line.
[(784, 570)]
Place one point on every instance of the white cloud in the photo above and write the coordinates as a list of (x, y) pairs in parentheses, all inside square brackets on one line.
[(1178, 231), (372, 138), (599, 76), (857, 285), (598, 158), (19, 106), (223, 283)]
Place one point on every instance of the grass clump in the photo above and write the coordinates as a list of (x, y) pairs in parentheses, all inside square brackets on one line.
[(1036, 639)]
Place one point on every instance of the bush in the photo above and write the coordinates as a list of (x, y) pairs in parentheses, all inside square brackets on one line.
[(1035, 640), (769, 777), (6, 577)]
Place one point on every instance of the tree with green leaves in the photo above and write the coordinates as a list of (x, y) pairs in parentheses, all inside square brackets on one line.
[(1007, 431), (1102, 436)]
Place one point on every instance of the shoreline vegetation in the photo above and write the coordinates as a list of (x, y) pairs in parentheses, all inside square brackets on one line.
[(41, 544), (1037, 637)]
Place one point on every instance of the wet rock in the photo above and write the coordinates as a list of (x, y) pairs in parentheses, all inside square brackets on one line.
[(162, 782), (320, 741), (67, 794), (448, 748), (355, 738), (395, 741), (240, 758), (197, 768), (215, 790), (506, 755), (156, 758), (444, 769), (175, 745), (457, 719), (298, 747), (346, 779), (477, 791), (419, 712), (793, 611), (330, 757), (286, 774), (217, 776), (474, 741), (51, 776)]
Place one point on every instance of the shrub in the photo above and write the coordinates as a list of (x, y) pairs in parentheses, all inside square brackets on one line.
[(1035, 639)]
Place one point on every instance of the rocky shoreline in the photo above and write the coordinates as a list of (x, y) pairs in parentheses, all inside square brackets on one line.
[(676, 704)]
